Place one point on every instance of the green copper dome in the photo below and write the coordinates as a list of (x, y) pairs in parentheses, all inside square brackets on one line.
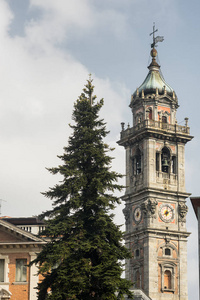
[(154, 80)]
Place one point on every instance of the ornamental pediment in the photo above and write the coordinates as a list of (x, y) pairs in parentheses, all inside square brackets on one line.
[(4, 294), (11, 234)]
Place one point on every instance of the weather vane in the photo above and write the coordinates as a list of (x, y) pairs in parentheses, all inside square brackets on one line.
[(156, 39)]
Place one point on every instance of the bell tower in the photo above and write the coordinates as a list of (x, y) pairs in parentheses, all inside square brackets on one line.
[(155, 197)]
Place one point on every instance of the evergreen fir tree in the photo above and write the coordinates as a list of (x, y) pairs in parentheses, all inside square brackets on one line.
[(83, 258)]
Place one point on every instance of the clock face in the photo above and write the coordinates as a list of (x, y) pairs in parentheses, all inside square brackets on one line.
[(137, 214), (166, 212)]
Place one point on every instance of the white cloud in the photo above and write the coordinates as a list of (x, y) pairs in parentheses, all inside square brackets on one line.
[(39, 82), (77, 12), (58, 19), (6, 18)]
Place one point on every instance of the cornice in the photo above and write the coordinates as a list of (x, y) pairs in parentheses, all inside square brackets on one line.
[(146, 232), (145, 192), (20, 245), (150, 132)]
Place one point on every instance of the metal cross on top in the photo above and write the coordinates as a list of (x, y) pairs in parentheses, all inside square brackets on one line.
[(156, 39)]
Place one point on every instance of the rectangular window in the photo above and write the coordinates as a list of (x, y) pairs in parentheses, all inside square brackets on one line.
[(2, 266), (21, 270)]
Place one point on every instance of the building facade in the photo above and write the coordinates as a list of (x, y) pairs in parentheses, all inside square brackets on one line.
[(155, 197), (17, 248)]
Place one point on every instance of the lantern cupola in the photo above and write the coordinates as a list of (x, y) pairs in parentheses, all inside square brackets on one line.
[(154, 84), (155, 99)]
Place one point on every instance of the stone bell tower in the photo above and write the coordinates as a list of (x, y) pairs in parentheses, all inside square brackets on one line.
[(155, 197)]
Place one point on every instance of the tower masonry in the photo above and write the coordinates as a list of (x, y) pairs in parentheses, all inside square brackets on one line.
[(155, 198)]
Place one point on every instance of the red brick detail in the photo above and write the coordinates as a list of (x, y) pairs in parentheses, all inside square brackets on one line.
[(19, 291)]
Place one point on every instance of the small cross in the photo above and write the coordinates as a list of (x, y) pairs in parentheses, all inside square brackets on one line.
[(156, 39), (154, 30)]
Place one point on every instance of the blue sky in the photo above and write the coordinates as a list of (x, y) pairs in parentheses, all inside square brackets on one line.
[(47, 50)]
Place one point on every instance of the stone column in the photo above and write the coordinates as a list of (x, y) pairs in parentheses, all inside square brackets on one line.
[(33, 278)]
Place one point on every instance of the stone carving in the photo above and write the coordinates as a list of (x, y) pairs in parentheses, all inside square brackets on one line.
[(126, 212), (152, 205), (149, 207), (182, 209), (144, 207), (167, 239)]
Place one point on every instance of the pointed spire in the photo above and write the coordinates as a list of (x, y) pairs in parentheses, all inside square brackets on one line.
[(154, 82), (142, 94)]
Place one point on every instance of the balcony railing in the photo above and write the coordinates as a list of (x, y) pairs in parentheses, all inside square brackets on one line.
[(175, 128)]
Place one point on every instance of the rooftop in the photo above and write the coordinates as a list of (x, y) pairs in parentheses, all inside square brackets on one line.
[(154, 82)]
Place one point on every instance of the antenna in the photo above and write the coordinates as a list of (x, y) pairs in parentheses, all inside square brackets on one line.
[(156, 39), (1, 204)]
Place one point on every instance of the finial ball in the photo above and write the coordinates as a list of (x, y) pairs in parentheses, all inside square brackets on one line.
[(153, 52)]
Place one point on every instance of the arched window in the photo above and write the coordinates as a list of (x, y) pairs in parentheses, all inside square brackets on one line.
[(150, 116), (137, 252), (139, 117), (138, 162), (164, 119), (167, 251), (165, 159), (167, 280)]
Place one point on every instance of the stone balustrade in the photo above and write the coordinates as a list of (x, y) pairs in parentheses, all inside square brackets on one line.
[(174, 128)]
